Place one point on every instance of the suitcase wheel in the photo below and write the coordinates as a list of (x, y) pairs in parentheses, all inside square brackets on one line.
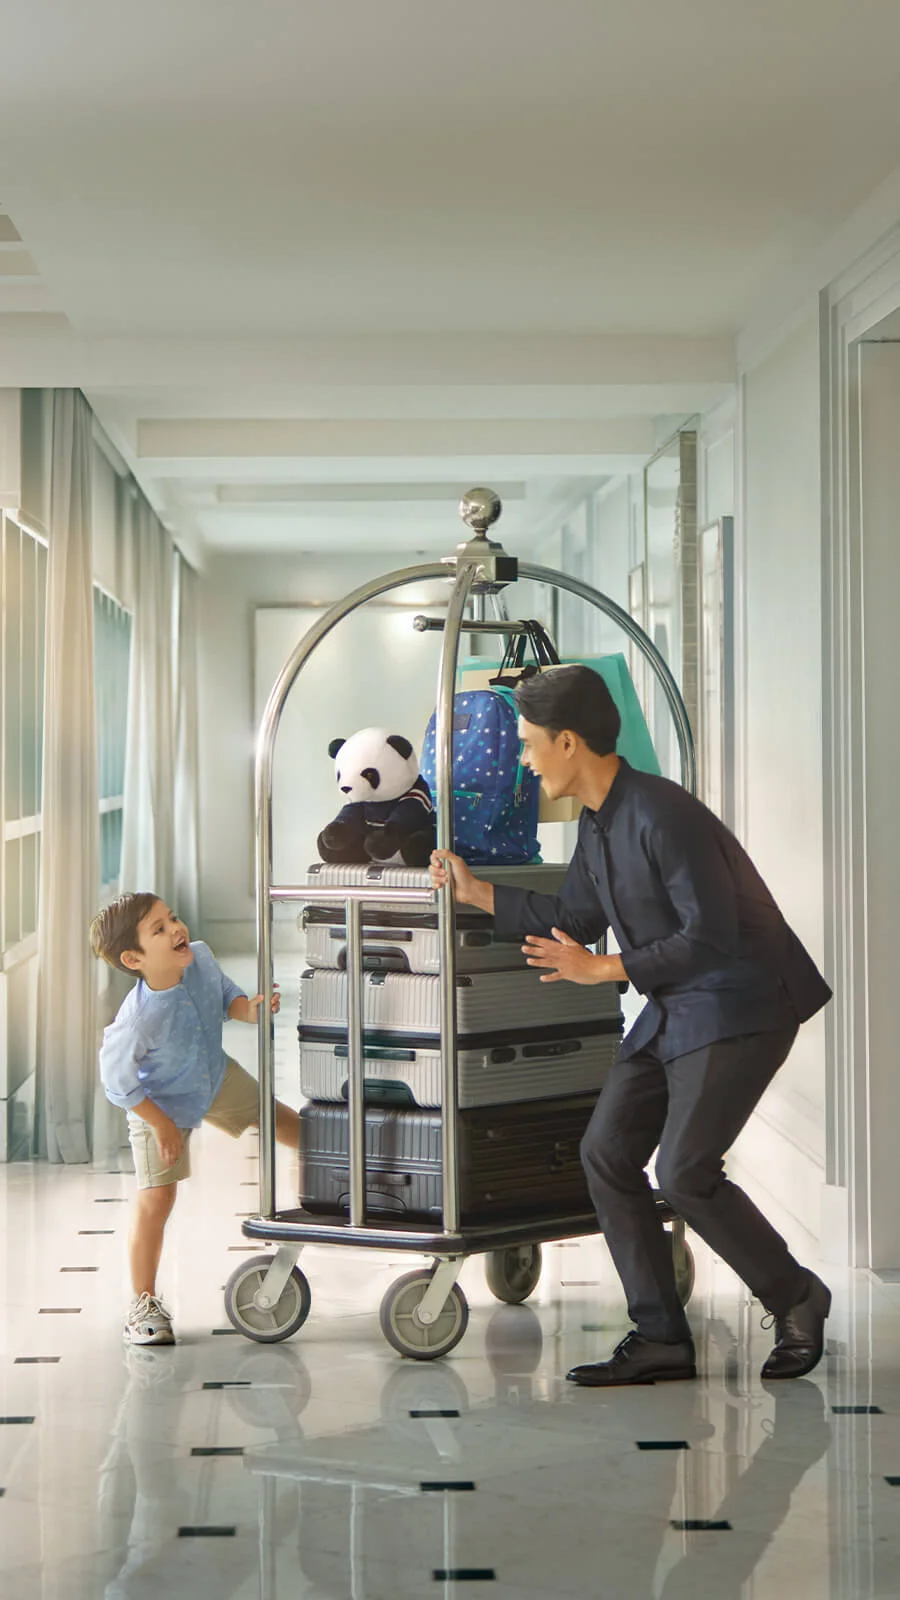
[(407, 1334), (276, 1322), (513, 1273)]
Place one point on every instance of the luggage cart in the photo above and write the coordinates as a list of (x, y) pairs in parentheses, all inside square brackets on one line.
[(424, 1313)]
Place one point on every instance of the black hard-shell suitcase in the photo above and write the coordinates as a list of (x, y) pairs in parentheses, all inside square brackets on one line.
[(513, 1160)]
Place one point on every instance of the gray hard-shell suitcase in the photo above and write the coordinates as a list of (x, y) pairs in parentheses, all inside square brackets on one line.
[(487, 1003), (513, 1161), (407, 941), (537, 1068)]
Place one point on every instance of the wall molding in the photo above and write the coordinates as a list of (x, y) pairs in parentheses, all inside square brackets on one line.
[(858, 299)]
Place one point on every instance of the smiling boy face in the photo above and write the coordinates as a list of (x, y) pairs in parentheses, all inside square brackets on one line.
[(164, 949)]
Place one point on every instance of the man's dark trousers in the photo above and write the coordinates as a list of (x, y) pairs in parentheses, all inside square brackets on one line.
[(693, 1108)]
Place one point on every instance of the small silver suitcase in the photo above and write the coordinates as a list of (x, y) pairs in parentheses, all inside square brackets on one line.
[(546, 877), (398, 941)]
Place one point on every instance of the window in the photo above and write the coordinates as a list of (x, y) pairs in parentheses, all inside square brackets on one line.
[(112, 655), (23, 598)]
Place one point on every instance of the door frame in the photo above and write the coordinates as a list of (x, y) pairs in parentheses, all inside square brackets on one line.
[(852, 306)]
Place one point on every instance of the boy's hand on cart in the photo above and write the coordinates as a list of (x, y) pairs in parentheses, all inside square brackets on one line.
[(169, 1140), (470, 891), (258, 999), (565, 957)]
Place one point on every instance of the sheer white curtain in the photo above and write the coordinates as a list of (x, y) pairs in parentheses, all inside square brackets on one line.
[(152, 856), (67, 1045), (148, 820), (187, 749)]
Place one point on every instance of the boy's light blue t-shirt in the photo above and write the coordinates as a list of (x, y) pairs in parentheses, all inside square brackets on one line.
[(165, 1045)]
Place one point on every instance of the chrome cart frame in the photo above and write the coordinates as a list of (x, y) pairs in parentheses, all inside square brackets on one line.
[(268, 1298)]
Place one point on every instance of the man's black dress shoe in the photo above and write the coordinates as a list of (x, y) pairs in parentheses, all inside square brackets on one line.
[(638, 1360), (800, 1334)]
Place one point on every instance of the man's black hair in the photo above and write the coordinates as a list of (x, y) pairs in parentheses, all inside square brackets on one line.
[(572, 697)]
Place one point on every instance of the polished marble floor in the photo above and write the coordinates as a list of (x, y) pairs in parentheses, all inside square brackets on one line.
[(327, 1468)]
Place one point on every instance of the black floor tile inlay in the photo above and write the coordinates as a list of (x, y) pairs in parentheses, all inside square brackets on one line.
[(580, 1283), (36, 1361), (894, 1482), (59, 1311), (225, 1330), (79, 1269), (593, 1327), (2, 1493), (464, 1574), (229, 1383), (434, 1412), (662, 1444), (218, 1450), (857, 1411), (95, 1233), (207, 1530), (439, 1487), (232, 1247), (12, 1421), (700, 1525), (110, 1200)]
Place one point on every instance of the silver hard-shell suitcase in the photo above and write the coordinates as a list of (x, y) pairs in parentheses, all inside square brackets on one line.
[(544, 876), (493, 1074), (487, 1003), (407, 941)]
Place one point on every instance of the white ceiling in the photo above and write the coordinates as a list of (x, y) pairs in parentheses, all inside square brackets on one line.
[(511, 233)]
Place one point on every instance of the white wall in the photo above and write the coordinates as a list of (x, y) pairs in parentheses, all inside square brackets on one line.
[(716, 461), (233, 586), (780, 787)]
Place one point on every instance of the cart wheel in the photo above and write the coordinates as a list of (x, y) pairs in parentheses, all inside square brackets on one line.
[(683, 1260), (278, 1321), (512, 1274), (400, 1322)]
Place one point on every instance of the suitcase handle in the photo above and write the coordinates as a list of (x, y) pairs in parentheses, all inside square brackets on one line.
[(380, 1199), (377, 960), (562, 1155), (377, 1092), (559, 1047), (377, 1052), (394, 935)]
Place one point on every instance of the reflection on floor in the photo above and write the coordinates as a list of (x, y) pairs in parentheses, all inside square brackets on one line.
[(330, 1468)]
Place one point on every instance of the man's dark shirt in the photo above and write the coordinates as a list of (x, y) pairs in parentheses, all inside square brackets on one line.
[(698, 931)]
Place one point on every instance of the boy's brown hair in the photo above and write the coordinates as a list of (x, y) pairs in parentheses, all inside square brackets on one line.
[(115, 928)]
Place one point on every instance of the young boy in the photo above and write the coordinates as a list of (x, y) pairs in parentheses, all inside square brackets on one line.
[(162, 1061)]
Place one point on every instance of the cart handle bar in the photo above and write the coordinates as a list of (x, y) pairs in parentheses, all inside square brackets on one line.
[(370, 893)]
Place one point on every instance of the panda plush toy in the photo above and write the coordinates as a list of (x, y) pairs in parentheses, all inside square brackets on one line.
[(388, 814)]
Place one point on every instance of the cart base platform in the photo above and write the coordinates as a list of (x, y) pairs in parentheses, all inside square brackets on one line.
[(306, 1227)]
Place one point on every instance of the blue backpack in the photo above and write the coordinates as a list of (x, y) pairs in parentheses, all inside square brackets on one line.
[(495, 798)]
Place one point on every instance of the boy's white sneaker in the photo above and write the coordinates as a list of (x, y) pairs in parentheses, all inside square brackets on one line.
[(148, 1322)]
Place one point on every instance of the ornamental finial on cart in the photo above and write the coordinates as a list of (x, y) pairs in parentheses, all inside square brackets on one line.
[(479, 509)]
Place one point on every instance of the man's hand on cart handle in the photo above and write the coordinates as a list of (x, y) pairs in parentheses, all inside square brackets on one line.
[(570, 960), (470, 891)]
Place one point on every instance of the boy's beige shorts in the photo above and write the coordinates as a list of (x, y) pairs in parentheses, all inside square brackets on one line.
[(235, 1108)]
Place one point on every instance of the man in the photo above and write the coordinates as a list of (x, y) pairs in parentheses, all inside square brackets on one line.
[(727, 984)]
